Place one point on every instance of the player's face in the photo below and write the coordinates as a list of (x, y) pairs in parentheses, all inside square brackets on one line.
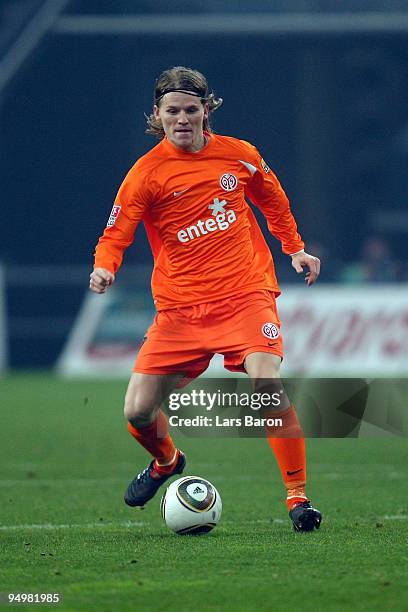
[(182, 119)]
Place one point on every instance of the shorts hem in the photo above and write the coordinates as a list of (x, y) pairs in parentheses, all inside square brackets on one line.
[(262, 349), (185, 374), (157, 371)]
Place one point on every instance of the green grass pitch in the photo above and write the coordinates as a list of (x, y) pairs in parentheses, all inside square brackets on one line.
[(66, 458)]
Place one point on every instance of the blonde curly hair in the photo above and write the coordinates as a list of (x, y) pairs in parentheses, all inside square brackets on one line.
[(184, 80)]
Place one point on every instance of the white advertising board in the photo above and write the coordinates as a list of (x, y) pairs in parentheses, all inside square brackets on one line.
[(327, 331)]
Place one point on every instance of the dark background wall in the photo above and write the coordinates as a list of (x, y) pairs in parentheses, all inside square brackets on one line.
[(330, 116)]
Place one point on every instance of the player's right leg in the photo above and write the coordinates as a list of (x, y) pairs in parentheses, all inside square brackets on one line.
[(148, 425), (286, 441)]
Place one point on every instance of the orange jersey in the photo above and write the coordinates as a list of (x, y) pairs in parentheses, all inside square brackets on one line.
[(206, 242)]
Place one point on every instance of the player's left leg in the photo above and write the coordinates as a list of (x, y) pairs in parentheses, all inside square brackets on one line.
[(287, 441)]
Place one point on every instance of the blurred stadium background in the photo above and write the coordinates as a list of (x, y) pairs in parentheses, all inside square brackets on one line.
[(320, 86)]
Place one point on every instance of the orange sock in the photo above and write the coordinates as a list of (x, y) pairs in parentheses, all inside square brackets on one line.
[(290, 453), (155, 438)]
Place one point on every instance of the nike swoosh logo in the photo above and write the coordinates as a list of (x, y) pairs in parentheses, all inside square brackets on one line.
[(177, 193), (295, 472)]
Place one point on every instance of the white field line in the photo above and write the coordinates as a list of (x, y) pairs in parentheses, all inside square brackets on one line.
[(395, 517), (52, 527), (131, 524), (387, 517)]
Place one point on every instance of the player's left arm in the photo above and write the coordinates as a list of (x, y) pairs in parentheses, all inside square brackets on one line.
[(266, 192)]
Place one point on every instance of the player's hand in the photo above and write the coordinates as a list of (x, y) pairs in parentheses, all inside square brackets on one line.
[(302, 259), (101, 280)]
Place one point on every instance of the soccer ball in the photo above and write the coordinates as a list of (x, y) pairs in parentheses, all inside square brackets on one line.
[(191, 505)]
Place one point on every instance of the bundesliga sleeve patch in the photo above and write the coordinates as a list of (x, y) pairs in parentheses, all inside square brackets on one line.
[(113, 216), (265, 166)]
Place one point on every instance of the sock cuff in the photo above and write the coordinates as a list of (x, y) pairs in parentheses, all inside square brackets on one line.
[(169, 464), (137, 430), (159, 425)]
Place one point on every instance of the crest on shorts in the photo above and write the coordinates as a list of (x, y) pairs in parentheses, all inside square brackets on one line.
[(265, 166), (114, 215), (270, 330), (228, 181)]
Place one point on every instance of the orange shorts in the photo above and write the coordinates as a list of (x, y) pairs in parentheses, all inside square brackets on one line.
[(183, 340)]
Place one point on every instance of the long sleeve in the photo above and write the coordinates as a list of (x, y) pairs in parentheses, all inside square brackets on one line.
[(265, 191), (127, 212)]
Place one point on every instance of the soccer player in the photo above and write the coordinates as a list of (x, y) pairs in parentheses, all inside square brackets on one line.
[(213, 281)]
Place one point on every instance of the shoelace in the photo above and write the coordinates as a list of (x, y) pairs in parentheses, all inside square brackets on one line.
[(305, 505), (142, 477)]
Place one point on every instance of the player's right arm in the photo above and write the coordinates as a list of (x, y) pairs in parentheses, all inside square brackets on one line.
[(100, 280), (127, 212)]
